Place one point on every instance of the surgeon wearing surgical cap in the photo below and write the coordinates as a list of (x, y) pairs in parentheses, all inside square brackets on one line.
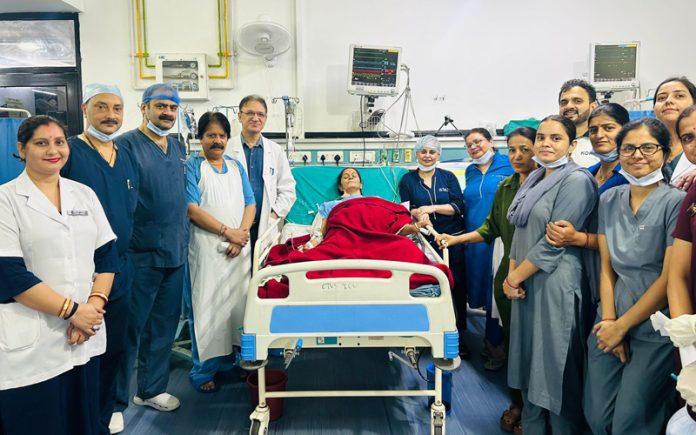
[(435, 193), (97, 161), (158, 248)]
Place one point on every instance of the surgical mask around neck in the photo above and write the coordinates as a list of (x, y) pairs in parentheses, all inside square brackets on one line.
[(484, 159), (101, 137), (427, 168), (609, 157), (645, 180), (551, 165), (158, 131)]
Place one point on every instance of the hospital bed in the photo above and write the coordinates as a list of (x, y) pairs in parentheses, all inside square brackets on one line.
[(347, 312)]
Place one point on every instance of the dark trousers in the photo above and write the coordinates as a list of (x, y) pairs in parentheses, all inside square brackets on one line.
[(67, 404), (456, 264), (153, 317), (116, 319)]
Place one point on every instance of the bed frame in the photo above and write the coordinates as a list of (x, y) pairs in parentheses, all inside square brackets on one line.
[(347, 312)]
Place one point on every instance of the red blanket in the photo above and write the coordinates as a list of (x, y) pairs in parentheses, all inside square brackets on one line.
[(360, 228)]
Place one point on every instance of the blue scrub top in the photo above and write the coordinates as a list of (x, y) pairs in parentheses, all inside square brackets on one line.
[(479, 194), (480, 189), (254, 161), (160, 233), (616, 178), (116, 187), (445, 189), (193, 177)]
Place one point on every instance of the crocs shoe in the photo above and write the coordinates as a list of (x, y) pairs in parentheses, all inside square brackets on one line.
[(116, 423), (161, 402)]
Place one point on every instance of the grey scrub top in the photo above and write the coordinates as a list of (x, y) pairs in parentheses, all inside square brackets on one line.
[(544, 323), (637, 245)]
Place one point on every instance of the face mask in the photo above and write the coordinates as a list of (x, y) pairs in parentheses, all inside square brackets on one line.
[(484, 159), (158, 131), (560, 162), (101, 137), (427, 168), (645, 180), (609, 157)]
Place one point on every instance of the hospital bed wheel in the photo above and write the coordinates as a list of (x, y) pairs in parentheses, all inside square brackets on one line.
[(256, 428)]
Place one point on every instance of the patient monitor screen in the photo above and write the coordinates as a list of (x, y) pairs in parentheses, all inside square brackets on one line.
[(374, 70), (615, 63)]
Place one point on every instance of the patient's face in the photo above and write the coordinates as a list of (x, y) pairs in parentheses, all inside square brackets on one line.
[(350, 182)]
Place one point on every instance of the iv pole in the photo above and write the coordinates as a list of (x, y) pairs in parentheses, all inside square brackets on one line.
[(290, 103)]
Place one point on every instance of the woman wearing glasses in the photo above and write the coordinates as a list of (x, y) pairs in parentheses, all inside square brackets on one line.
[(628, 387), (482, 179), (681, 291), (265, 163)]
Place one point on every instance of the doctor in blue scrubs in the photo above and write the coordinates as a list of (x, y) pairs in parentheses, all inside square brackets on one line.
[(96, 161), (434, 194), (482, 179), (158, 249)]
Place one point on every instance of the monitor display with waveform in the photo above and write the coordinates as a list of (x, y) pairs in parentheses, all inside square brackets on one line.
[(374, 70)]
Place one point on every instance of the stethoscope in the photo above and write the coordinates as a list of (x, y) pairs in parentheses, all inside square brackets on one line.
[(430, 197)]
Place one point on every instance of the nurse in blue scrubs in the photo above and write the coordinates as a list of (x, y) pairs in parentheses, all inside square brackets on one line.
[(96, 161), (482, 179), (435, 194), (158, 248)]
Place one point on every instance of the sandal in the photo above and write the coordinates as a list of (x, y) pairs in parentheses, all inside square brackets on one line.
[(510, 418), (212, 387), (494, 364)]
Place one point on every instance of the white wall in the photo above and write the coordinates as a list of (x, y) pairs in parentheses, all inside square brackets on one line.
[(181, 26), (492, 60)]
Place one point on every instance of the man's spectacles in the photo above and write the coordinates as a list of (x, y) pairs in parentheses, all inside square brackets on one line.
[(646, 149), (251, 114)]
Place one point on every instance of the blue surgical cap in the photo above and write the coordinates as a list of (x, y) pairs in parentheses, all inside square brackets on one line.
[(93, 89), (161, 91), (428, 141)]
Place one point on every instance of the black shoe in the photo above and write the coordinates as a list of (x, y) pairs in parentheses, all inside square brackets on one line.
[(464, 352)]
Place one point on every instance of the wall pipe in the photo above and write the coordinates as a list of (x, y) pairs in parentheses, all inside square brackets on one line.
[(142, 42)]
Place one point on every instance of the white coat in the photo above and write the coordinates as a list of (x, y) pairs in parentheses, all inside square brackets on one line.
[(582, 153), (59, 249), (278, 183)]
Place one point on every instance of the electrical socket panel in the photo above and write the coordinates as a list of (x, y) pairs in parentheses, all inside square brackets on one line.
[(396, 156), (357, 157), (408, 157), (330, 157), (298, 157)]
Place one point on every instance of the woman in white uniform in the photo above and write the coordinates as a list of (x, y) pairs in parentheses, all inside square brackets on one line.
[(57, 263), (627, 388), (221, 207)]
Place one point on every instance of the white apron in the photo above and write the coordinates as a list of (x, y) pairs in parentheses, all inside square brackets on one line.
[(218, 283)]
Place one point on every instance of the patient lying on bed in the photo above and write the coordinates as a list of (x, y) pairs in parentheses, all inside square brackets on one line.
[(355, 227), (349, 186)]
